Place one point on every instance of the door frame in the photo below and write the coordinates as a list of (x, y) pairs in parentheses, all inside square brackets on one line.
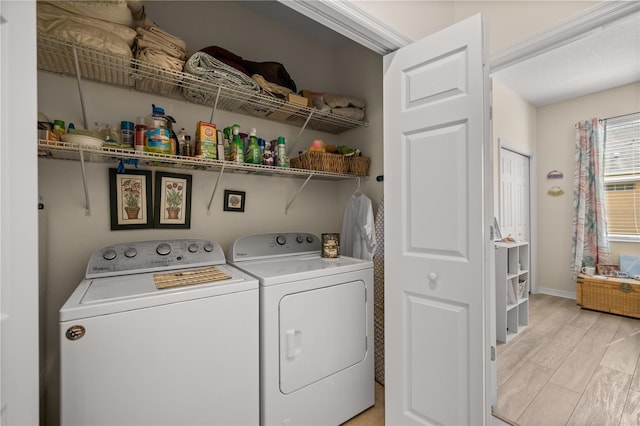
[(533, 207)]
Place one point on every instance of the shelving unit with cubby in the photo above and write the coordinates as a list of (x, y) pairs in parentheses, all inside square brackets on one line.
[(512, 289)]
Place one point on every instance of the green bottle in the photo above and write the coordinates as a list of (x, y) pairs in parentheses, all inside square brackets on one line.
[(252, 154), (237, 147)]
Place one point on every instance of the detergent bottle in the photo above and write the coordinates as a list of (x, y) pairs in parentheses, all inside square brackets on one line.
[(252, 153), (236, 148)]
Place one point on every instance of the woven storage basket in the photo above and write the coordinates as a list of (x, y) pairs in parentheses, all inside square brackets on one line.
[(617, 296), (359, 165), (321, 161)]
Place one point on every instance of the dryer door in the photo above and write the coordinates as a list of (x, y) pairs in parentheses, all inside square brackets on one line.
[(322, 332)]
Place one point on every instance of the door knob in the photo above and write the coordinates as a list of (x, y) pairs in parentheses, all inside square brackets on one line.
[(433, 276)]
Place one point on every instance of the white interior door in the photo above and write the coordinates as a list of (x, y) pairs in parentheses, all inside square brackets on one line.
[(437, 163), (514, 195), (18, 215)]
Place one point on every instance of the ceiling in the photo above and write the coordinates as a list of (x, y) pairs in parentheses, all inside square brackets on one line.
[(604, 58)]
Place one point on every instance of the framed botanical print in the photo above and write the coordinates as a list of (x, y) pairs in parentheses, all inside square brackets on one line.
[(172, 201), (130, 199)]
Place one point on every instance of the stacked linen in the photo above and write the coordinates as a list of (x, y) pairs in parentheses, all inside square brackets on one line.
[(208, 68), (342, 105), (103, 25), (160, 49)]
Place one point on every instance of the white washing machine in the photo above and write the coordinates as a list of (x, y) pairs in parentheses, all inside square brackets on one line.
[(316, 329), (136, 353)]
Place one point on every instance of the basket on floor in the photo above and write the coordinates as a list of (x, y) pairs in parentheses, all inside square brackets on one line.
[(321, 161)]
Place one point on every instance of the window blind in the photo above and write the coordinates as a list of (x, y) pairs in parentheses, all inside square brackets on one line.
[(622, 176)]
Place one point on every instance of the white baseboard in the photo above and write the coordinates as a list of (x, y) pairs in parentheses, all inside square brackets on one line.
[(559, 293)]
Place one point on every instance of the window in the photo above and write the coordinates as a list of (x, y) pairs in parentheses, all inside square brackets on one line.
[(622, 177)]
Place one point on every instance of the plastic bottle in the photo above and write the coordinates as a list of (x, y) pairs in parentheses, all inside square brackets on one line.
[(58, 129), (140, 134), (236, 154), (252, 153), (267, 155), (127, 133), (182, 146), (282, 152), (158, 131)]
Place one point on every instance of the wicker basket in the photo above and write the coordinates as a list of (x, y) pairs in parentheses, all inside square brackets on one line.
[(321, 161), (358, 165), (614, 295)]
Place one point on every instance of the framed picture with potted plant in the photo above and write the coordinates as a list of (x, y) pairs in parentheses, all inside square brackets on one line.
[(130, 199), (172, 201), (233, 201)]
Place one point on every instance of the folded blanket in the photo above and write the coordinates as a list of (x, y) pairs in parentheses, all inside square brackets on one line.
[(349, 112), (271, 88), (95, 37), (342, 101), (273, 72), (162, 34), (156, 81), (159, 58), (148, 39), (115, 11), (211, 69), (50, 15)]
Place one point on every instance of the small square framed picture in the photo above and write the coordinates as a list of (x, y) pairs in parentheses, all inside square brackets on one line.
[(172, 201), (234, 201)]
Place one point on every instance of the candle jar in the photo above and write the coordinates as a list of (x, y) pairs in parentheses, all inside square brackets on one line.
[(331, 245)]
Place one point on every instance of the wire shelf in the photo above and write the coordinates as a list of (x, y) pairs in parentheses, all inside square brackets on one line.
[(67, 151), (57, 55)]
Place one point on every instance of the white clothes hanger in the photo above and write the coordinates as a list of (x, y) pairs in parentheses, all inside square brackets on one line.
[(358, 192)]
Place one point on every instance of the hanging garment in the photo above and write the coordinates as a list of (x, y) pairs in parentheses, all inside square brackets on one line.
[(358, 238), (378, 296)]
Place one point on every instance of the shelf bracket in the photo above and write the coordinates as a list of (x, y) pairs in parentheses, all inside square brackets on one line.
[(87, 207), (286, 209), (79, 80), (304, 126), (215, 104), (215, 187)]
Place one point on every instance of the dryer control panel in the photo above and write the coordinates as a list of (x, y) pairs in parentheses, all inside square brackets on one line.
[(152, 256), (258, 246)]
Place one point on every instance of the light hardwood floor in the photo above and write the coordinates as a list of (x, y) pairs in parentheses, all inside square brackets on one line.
[(569, 367)]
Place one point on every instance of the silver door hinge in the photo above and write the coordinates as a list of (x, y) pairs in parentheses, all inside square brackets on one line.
[(493, 353)]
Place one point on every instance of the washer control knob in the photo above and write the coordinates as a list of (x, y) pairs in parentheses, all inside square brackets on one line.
[(130, 252), (163, 249), (193, 247), (300, 239), (281, 240), (309, 239), (208, 247), (109, 254)]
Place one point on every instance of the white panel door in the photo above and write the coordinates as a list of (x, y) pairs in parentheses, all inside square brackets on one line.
[(437, 163), (514, 194)]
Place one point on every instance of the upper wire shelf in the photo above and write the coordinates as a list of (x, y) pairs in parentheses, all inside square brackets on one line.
[(66, 151), (57, 55)]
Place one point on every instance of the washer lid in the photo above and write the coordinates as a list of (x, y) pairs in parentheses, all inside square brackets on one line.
[(101, 296), (295, 268)]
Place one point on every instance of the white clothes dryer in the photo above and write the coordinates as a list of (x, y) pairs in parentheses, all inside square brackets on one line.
[(160, 333), (316, 329)]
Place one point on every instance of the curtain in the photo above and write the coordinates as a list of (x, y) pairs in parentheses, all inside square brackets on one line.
[(590, 245)]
